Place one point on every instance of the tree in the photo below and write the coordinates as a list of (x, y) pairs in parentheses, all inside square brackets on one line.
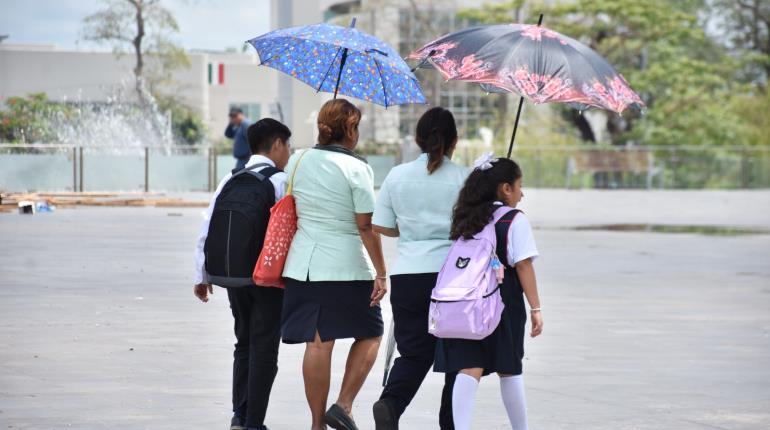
[(146, 26), (746, 27), (662, 49), (187, 126), (29, 119)]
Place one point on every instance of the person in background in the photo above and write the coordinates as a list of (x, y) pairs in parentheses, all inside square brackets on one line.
[(256, 310), (237, 130), (415, 204)]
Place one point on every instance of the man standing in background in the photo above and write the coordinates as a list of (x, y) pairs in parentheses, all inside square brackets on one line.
[(236, 130)]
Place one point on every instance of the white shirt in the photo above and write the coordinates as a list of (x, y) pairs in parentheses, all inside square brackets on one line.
[(420, 205), (521, 241), (279, 181)]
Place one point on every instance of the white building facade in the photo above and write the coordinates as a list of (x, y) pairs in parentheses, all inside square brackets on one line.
[(216, 81)]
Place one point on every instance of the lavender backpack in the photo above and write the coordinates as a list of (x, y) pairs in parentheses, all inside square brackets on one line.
[(466, 301)]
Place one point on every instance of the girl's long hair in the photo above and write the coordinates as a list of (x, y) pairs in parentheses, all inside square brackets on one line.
[(435, 134), (474, 208)]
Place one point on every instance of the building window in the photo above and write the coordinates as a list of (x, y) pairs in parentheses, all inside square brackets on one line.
[(252, 111)]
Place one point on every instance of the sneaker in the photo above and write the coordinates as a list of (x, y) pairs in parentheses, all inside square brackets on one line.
[(384, 416), (338, 419), (238, 423)]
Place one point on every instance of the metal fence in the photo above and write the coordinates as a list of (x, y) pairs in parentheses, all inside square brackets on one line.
[(48, 167), (651, 167), (67, 167)]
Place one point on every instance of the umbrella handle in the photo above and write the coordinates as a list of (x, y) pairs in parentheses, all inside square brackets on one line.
[(424, 60)]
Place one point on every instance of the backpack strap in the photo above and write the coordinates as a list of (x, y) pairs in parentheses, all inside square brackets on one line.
[(269, 171), (266, 173), (250, 170), (502, 226)]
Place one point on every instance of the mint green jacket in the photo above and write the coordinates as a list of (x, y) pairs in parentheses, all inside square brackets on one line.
[(330, 189)]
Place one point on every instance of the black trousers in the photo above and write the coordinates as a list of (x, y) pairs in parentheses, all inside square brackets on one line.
[(257, 313), (410, 300)]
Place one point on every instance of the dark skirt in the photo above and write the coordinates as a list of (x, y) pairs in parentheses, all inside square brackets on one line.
[(501, 351), (335, 309)]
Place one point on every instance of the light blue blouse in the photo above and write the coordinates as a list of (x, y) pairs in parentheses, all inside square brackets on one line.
[(420, 205)]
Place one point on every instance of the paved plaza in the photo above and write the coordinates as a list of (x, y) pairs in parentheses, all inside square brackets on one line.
[(643, 330)]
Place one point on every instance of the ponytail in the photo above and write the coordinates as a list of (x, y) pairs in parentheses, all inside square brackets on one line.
[(436, 132)]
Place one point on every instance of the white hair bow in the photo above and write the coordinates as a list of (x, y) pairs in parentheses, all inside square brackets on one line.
[(485, 161)]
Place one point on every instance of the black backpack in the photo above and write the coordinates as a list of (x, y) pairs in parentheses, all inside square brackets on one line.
[(238, 225)]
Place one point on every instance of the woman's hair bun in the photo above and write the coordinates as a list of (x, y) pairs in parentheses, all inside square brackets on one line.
[(337, 122), (325, 131)]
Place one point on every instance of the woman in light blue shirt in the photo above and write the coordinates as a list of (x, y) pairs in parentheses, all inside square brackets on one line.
[(415, 204), (335, 271)]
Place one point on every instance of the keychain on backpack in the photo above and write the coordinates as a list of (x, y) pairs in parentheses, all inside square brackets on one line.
[(498, 268)]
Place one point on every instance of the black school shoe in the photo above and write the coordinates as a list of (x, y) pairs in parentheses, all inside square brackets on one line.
[(384, 416), (337, 419), (238, 423)]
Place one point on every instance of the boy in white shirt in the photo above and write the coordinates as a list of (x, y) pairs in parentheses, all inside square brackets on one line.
[(256, 310)]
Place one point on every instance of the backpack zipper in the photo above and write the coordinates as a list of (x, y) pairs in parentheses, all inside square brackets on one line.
[(227, 252)]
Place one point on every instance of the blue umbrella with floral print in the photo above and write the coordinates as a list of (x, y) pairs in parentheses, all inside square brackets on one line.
[(340, 60)]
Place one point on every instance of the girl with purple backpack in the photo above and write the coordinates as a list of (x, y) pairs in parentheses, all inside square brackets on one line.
[(495, 184)]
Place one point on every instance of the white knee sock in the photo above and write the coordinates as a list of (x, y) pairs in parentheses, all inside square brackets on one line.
[(512, 390), (463, 397)]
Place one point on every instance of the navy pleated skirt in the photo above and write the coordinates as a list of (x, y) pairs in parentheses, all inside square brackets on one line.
[(501, 351), (335, 309)]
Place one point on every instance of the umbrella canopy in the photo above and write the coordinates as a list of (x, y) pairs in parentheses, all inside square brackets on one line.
[(340, 60), (532, 61)]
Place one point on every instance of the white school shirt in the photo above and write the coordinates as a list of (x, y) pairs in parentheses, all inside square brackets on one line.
[(521, 241), (279, 181), (420, 205)]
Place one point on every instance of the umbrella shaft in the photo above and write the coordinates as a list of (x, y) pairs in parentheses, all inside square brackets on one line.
[(515, 126), (339, 75)]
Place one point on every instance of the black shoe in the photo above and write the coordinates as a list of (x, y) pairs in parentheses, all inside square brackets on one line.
[(238, 423), (336, 418), (384, 416)]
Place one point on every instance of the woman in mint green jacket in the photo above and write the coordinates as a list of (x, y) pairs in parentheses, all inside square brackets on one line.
[(335, 271)]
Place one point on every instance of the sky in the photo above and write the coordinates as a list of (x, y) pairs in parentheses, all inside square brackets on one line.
[(204, 24)]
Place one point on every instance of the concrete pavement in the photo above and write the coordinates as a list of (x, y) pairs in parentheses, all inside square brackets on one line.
[(99, 327)]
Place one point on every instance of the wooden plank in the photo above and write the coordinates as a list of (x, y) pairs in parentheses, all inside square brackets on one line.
[(182, 204), (72, 199)]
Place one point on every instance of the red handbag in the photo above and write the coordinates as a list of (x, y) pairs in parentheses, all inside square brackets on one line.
[(280, 232)]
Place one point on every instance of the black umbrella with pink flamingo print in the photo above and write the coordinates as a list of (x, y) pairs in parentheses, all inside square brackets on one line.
[(530, 60)]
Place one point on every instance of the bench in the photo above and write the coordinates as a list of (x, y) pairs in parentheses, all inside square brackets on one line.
[(604, 164)]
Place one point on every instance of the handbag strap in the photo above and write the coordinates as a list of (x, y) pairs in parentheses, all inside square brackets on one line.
[(294, 172)]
